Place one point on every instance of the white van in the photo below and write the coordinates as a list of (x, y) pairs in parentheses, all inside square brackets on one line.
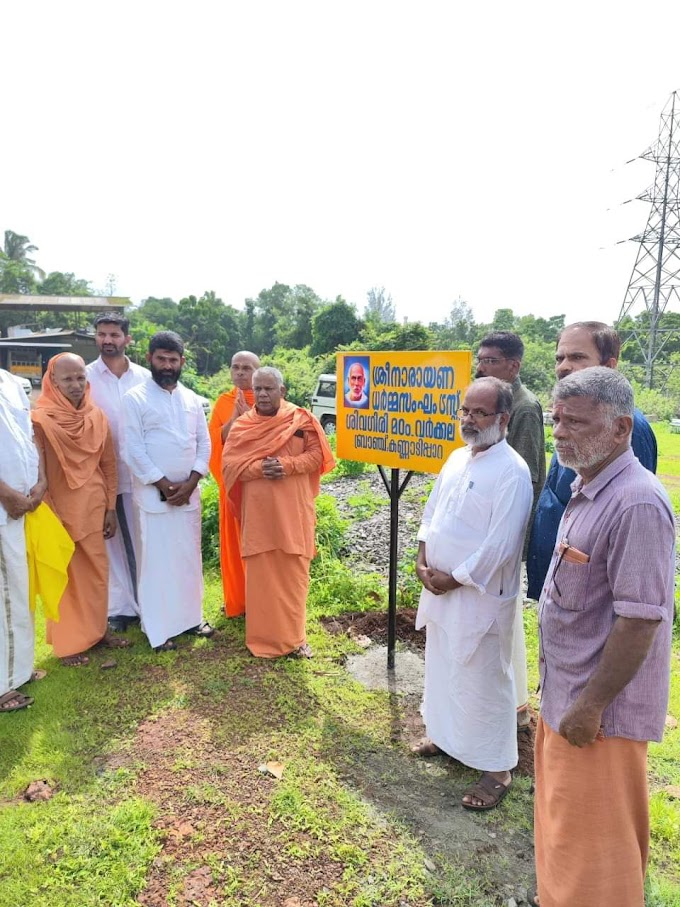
[(323, 402)]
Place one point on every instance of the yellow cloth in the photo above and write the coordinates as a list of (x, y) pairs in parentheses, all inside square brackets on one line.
[(49, 549)]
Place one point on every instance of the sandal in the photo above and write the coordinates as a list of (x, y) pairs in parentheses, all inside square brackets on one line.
[(532, 898), (203, 629), (168, 646), (488, 790), (75, 661), (37, 675), (427, 748), (113, 642), (13, 701), (303, 651)]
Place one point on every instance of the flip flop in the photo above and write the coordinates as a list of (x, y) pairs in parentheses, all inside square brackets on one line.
[(168, 646), (38, 675), (303, 651), (487, 788), (21, 701), (532, 898), (203, 629)]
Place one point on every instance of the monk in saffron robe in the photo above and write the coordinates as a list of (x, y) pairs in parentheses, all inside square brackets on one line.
[(273, 460), (226, 411), (80, 462)]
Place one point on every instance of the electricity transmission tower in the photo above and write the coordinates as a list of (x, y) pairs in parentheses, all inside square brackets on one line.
[(654, 285)]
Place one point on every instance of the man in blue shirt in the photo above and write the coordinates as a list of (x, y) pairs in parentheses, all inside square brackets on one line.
[(581, 345)]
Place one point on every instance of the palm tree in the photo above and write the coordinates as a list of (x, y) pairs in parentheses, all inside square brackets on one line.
[(17, 248)]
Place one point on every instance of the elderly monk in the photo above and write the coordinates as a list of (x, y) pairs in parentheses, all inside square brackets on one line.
[(273, 459), (22, 486), (226, 411), (80, 463), (605, 620)]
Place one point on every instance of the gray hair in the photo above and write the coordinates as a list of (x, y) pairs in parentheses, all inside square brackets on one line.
[(272, 372), (503, 392), (604, 386)]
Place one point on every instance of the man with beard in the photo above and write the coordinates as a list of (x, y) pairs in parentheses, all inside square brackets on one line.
[(110, 377), (74, 438), (167, 447), (469, 558), (605, 620), (228, 408)]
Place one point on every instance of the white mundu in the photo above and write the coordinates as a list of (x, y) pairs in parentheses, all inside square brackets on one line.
[(166, 434), (19, 470), (107, 392), (473, 528)]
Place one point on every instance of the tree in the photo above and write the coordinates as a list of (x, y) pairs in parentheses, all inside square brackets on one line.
[(380, 307), (333, 325), (459, 329), (162, 312), (210, 328), (58, 283), (15, 276), (294, 323), (17, 248)]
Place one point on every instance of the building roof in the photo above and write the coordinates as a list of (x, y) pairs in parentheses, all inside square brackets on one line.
[(17, 302)]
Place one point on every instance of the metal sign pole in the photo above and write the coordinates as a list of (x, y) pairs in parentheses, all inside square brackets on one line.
[(395, 491)]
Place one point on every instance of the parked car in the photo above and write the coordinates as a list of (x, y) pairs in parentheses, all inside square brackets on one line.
[(323, 402), (206, 404)]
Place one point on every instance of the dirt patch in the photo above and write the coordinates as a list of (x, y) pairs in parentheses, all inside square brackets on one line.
[(374, 625)]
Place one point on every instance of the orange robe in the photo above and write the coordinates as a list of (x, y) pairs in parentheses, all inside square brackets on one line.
[(82, 481), (277, 520), (231, 563)]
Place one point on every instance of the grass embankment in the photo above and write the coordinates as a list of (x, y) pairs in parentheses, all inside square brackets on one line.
[(159, 798)]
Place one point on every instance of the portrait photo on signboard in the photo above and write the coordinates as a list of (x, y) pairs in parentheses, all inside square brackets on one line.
[(356, 383)]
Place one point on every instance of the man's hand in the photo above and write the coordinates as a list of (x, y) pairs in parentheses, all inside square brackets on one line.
[(581, 724), (15, 503), (165, 487), (36, 494), (240, 406), (110, 524), (179, 493), (443, 582), (424, 574), (272, 468)]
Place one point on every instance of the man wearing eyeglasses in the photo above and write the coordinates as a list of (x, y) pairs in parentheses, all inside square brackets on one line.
[(469, 558), (500, 355), (605, 619)]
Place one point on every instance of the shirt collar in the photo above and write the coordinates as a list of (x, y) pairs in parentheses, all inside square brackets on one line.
[(488, 452), (592, 489), (102, 367)]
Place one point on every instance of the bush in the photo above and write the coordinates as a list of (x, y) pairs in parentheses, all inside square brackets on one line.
[(210, 525), (331, 530)]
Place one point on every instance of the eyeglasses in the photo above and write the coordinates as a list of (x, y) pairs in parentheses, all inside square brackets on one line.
[(492, 360), (464, 412)]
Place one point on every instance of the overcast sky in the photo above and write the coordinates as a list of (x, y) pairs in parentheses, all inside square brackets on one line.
[(440, 149)]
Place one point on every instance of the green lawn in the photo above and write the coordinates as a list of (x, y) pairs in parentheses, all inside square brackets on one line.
[(155, 770)]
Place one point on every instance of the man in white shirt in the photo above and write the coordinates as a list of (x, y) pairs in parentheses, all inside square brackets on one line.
[(167, 448), (22, 486), (469, 558), (110, 377)]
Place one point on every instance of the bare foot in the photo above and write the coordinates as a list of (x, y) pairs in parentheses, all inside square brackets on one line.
[(38, 675), (303, 651)]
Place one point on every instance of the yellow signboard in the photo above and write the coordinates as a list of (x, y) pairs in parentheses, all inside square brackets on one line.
[(399, 409)]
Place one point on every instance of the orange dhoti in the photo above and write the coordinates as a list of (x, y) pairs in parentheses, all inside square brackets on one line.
[(232, 565), (591, 821), (276, 588), (83, 609)]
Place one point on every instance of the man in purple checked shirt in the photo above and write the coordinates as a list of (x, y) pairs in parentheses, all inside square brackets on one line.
[(605, 620)]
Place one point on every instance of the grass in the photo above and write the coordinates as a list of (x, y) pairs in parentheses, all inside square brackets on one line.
[(210, 716)]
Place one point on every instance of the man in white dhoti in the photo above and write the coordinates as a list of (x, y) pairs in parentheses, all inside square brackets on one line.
[(167, 447), (110, 377), (469, 556), (22, 486)]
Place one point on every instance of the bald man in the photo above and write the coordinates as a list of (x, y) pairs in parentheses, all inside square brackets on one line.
[(228, 408), (80, 463)]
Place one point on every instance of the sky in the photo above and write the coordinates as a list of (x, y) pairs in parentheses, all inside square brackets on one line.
[(438, 149)]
